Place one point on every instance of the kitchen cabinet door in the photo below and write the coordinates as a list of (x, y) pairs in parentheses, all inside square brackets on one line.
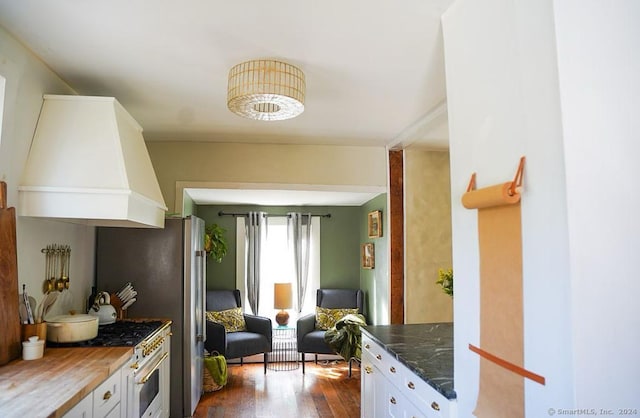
[(367, 387), (83, 409)]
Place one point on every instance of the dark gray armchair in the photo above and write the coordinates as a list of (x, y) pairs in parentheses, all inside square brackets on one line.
[(255, 340), (311, 340)]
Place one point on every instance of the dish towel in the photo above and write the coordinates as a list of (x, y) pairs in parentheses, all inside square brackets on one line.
[(217, 366)]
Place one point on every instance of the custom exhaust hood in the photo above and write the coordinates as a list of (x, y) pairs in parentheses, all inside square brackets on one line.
[(88, 164)]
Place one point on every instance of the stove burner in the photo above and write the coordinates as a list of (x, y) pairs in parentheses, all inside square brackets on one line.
[(118, 334)]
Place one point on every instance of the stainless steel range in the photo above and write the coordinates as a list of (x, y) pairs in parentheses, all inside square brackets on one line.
[(147, 377)]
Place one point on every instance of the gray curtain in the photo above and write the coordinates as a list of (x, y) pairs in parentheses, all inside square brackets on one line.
[(255, 232), (299, 237)]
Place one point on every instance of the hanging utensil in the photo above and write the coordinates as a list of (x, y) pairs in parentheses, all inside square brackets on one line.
[(46, 286), (67, 263), (57, 263), (60, 261), (52, 280)]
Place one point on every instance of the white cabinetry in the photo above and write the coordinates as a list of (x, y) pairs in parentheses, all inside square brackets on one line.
[(106, 397), (390, 389), (83, 409), (106, 401)]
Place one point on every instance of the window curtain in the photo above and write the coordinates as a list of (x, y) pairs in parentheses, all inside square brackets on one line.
[(255, 235), (299, 237)]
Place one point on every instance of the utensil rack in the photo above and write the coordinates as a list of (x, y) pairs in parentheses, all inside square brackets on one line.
[(56, 268)]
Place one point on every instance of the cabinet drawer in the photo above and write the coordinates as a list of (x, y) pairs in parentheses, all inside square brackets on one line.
[(397, 405), (424, 396), (107, 395), (385, 362), (368, 346)]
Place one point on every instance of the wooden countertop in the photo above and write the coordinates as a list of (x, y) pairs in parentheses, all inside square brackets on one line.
[(50, 386)]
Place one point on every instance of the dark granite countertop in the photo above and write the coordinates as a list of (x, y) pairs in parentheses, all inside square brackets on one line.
[(426, 349)]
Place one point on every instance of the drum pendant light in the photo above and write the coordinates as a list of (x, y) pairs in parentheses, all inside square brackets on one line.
[(266, 90)]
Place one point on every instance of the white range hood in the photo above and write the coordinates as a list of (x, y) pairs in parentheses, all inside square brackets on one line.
[(88, 164)]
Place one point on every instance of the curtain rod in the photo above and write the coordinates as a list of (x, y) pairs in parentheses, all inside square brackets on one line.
[(221, 213)]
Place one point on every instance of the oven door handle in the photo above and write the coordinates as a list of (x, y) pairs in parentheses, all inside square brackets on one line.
[(153, 369)]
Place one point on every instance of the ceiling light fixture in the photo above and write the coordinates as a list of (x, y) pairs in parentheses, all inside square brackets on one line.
[(266, 90)]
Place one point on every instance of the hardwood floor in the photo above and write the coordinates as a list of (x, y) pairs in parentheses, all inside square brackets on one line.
[(324, 391)]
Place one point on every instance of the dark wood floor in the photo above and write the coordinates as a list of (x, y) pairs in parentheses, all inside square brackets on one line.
[(324, 391)]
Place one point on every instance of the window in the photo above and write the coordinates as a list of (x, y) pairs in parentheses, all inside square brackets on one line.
[(277, 266)]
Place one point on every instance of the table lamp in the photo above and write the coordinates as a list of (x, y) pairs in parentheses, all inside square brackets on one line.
[(282, 301)]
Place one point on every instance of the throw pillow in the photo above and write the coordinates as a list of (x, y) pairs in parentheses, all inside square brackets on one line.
[(231, 319), (326, 318)]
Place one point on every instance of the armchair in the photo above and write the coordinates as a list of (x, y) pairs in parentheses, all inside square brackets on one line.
[(255, 340), (310, 339)]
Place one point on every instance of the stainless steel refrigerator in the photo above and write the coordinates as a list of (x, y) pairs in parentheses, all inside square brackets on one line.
[(167, 269)]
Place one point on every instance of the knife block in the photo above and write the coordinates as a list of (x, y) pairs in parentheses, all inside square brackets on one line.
[(116, 302)]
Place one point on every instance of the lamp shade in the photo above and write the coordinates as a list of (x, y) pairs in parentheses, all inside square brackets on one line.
[(282, 296), (266, 90)]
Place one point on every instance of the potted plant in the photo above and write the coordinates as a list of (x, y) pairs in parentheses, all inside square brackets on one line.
[(215, 243), (445, 280)]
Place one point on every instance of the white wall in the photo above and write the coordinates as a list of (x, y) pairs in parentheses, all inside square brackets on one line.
[(503, 103), (576, 127), (599, 69), (27, 79)]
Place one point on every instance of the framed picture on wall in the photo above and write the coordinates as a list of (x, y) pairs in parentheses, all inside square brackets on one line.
[(374, 223), (368, 255)]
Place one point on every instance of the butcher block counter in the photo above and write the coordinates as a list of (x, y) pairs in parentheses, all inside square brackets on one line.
[(50, 386)]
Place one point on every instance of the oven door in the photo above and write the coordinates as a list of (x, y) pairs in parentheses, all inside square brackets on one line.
[(149, 391)]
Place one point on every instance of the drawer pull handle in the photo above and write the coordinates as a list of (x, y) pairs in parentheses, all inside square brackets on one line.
[(107, 395), (368, 369), (367, 346), (392, 369), (393, 400), (379, 357), (435, 406), (410, 385)]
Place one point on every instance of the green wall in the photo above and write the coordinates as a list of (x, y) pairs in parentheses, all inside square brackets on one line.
[(339, 243), (375, 282)]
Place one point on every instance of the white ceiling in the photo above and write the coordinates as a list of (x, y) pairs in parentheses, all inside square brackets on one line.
[(374, 68)]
